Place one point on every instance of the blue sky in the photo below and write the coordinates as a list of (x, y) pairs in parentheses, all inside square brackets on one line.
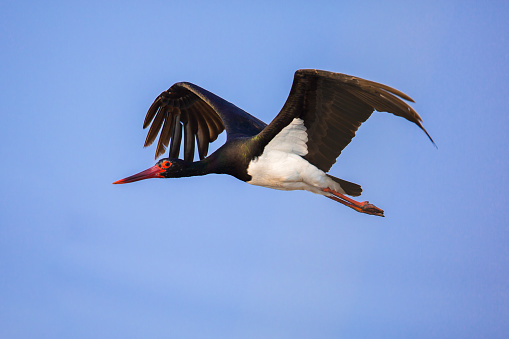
[(212, 257)]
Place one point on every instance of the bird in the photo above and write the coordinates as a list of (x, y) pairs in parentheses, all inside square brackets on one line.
[(293, 152)]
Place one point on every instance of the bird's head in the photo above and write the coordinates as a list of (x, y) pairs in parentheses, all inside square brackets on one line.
[(164, 168)]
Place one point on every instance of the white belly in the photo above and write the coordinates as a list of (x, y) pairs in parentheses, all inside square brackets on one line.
[(284, 171), (282, 167)]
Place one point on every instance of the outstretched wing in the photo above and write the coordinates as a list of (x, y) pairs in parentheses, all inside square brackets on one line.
[(333, 106), (200, 114)]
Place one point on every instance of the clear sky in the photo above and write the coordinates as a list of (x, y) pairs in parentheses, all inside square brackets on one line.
[(213, 257)]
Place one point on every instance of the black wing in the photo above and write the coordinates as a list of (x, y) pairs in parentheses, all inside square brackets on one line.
[(201, 114), (333, 106)]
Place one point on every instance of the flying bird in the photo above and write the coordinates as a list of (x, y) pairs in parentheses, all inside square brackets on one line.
[(294, 152)]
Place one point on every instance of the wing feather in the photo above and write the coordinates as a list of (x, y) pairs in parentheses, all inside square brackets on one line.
[(333, 106), (164, 139), (201, 114), (202, 137), (155, 127), (189, 135), (152, 111), (176, 137)]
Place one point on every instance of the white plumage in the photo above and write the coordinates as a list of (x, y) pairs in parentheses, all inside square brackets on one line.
[(282, 167)]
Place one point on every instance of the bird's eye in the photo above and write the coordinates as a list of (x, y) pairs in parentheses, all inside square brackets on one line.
[(166, 164)]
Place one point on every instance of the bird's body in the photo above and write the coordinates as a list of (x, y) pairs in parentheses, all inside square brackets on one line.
[(293, 152)]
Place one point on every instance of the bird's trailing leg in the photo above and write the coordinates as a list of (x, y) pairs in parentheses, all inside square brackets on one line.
[(362, 207)]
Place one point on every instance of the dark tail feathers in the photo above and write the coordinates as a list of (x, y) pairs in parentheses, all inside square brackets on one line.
[(349, 187)]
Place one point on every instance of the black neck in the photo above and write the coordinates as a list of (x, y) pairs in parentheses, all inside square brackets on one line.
[(226, 160), (202, 167)]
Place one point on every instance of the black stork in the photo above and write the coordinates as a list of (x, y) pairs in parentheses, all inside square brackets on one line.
[(293, 152)]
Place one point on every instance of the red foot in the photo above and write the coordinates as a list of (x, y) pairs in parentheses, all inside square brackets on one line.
[(362, 207), (368, 208)]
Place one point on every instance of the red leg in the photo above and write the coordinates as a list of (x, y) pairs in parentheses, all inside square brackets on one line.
[(362, 207)]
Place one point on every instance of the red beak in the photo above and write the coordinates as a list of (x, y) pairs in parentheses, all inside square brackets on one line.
[(152, 172)]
